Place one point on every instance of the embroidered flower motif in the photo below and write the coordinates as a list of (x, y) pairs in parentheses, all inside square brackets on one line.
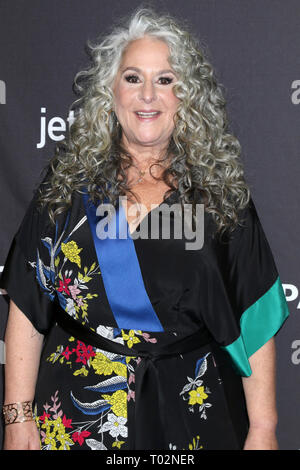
[(63, 285), (74, 291), (83, 372), (67, 353), (44, 416), (195, 445), (131, 395), (70, 308), (130, 338), (115, 391), (79, 301), (80, 436), (115, 425), (67, 422), (70, 295), (71, 252), (103, 365), (109, 332), (197, 396), (194, 391), (95, 445), (118, 444), (84, 352), (55, 433), (148, 338), (118, 400)]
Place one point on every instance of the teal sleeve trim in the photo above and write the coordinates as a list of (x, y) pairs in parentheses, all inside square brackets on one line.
[(258, 324)]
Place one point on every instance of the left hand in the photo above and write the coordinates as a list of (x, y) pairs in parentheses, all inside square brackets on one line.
[(261, 439)]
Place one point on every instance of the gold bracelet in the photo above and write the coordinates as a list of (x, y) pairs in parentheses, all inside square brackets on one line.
[(18, 412)]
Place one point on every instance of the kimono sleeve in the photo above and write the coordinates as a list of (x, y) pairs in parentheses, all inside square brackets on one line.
[(257, 306), (29, 271)]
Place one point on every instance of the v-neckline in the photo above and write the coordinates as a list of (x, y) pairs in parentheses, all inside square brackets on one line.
[(167, 200)]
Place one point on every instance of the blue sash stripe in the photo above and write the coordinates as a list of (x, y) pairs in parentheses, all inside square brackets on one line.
[(121, 274)]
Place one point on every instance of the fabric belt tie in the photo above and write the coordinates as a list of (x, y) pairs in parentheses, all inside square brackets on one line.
[(149, 405)]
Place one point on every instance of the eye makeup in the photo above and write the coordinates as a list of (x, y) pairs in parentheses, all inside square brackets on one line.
[(132, 78)]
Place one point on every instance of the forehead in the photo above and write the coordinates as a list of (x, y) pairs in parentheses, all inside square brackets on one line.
[(145, 51)]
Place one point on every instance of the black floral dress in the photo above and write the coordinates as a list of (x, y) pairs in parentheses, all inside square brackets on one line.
[(145, 341)]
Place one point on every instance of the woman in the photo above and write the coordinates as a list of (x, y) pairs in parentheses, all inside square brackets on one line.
[(140, 343)]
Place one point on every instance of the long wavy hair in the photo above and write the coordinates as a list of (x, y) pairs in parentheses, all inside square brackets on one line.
[(205, 155)]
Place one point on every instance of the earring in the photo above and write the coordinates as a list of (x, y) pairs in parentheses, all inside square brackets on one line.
[(108, 116), (115, 118)]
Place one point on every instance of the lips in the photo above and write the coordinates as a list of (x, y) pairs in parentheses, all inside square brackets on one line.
[(151, 114)]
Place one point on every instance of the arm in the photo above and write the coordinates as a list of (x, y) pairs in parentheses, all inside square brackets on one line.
[(23, 350), (260, 396)]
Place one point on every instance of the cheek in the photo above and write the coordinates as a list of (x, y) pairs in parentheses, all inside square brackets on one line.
[(173, 103), (123, 98)]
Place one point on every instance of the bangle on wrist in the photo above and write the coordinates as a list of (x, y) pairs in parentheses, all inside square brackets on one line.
[(18, 412)]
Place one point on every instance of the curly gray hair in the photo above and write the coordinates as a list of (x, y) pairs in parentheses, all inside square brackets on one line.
[(205, 156)]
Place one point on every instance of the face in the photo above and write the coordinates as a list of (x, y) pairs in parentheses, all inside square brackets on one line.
[(144, 101)]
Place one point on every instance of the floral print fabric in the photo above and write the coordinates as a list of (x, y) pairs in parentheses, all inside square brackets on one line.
[(86, 397)]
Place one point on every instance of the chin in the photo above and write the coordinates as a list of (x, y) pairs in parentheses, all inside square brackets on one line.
[(148, 140)]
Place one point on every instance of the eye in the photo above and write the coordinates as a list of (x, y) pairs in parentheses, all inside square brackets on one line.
[(165, 80), (131, 78)]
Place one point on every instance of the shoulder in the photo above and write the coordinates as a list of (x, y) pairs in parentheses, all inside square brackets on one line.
[(247, 233), (248, 243), (248, 219), (37, 223)]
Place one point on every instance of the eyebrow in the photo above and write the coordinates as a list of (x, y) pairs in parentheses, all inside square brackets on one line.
[(158, 73)]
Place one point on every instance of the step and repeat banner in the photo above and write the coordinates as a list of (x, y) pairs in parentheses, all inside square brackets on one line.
[(254, 47)]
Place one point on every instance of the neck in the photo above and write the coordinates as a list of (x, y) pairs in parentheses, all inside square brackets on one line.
[(143, 157)]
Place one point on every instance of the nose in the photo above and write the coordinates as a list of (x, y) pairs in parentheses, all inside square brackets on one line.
[(147, 92)]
